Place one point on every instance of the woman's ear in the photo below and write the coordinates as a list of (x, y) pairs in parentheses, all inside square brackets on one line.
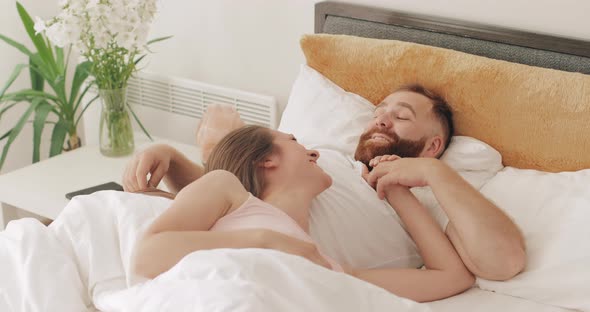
[(271, 161), (434, 147)]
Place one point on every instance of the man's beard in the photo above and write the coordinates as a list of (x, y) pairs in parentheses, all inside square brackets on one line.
[(368, 149)]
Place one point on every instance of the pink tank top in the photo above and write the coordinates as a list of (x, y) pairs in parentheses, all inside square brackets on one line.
[(257, 214)]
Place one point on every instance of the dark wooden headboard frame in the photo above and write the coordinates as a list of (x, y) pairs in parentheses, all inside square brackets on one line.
[(452, 27)]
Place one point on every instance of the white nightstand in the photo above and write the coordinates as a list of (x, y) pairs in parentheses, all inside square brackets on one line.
[(40, 188)]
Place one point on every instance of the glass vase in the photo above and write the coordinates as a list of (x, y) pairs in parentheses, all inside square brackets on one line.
[(116, 133)]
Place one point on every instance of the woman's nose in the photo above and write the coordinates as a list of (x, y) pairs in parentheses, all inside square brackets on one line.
[(314, 154)]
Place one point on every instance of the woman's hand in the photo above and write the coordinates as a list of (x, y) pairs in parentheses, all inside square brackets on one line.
[(375, 161), (281, 242), (154, 160), (410, 172)]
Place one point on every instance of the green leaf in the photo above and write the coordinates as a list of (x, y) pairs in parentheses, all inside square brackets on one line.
[(39, 42), (158, 39), (83, 110), (5, 134), (37, 81), (81, 74), (5, 109), (29, 93), (17, 129), (139, 122), (41, 113), (58, 137), (17, 45), (81, 97), (17, 70), (60, 59), (140, 58), (42, 69)]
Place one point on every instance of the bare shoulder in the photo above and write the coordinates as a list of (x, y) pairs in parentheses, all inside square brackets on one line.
[(201, 203), (227, 183)]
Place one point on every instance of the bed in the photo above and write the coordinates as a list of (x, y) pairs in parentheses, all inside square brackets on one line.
[(87, 249)]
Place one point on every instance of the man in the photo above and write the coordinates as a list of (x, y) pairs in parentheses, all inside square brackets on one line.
[(414, 124)]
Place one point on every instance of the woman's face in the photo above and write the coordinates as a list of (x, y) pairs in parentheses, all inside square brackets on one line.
[(298, 164)]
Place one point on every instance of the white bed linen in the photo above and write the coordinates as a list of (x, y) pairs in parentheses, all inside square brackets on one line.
[(553, 211), (479, 300), (83, 259)]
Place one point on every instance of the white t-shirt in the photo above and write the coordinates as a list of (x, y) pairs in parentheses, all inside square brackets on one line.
[(352, 225)]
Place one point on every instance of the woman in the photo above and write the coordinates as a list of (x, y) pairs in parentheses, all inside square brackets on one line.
[(256, 193)]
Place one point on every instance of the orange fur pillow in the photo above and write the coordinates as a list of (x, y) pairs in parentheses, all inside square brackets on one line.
[(536, 118)]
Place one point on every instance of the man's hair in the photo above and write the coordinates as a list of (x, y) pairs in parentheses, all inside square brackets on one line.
[(241, 152), (441, 109)]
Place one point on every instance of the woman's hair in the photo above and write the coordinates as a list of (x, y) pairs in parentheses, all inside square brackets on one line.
[(241, 152)]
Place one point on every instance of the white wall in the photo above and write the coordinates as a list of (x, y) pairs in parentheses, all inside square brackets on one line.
[(253, 45), (21, 151)]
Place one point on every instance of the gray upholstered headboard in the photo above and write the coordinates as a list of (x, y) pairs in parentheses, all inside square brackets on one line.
[(484, 40)]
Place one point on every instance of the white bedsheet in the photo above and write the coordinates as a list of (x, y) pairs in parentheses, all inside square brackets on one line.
[(480, 300), (82, 260)]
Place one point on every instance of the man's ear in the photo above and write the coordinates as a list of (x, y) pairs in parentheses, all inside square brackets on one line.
[(434, 147)]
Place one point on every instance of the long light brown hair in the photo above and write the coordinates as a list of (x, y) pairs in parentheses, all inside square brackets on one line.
[(241, 152)]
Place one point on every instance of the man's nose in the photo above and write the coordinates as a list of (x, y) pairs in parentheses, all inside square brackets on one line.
[(383, 121)]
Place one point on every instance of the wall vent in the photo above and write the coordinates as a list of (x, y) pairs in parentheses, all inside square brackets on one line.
[(190, 98)]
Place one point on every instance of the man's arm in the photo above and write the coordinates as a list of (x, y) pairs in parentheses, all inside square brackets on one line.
[(489, 243), (444, 275)]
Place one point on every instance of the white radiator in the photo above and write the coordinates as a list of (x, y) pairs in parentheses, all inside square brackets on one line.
[(171, 107)]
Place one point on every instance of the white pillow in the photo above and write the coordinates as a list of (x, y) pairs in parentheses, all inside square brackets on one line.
[(323, 116), (553, 211), (320, 114)]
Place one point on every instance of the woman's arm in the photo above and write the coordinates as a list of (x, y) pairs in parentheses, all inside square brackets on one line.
[(184, 227), (182, 171), (160, 161), (444, 274)]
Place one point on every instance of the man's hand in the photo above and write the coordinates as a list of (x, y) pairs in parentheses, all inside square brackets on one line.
[(216, 123), (410, 172), (155, 160)]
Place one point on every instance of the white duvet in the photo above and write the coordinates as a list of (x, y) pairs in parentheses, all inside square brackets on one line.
[(81, 262)]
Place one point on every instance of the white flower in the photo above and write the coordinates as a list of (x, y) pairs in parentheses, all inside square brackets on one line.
[(57, 35), (101, 40), (126, 40), (92, 4), (39, 25), (97, 28)]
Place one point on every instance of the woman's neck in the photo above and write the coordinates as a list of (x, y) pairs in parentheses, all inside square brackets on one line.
[(295, 203)]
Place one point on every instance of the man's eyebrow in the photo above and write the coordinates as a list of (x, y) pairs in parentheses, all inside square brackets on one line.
[(403, 104), (408, 106)]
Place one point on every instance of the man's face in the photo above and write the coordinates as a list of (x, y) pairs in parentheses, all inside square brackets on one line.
[(402, 125)]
